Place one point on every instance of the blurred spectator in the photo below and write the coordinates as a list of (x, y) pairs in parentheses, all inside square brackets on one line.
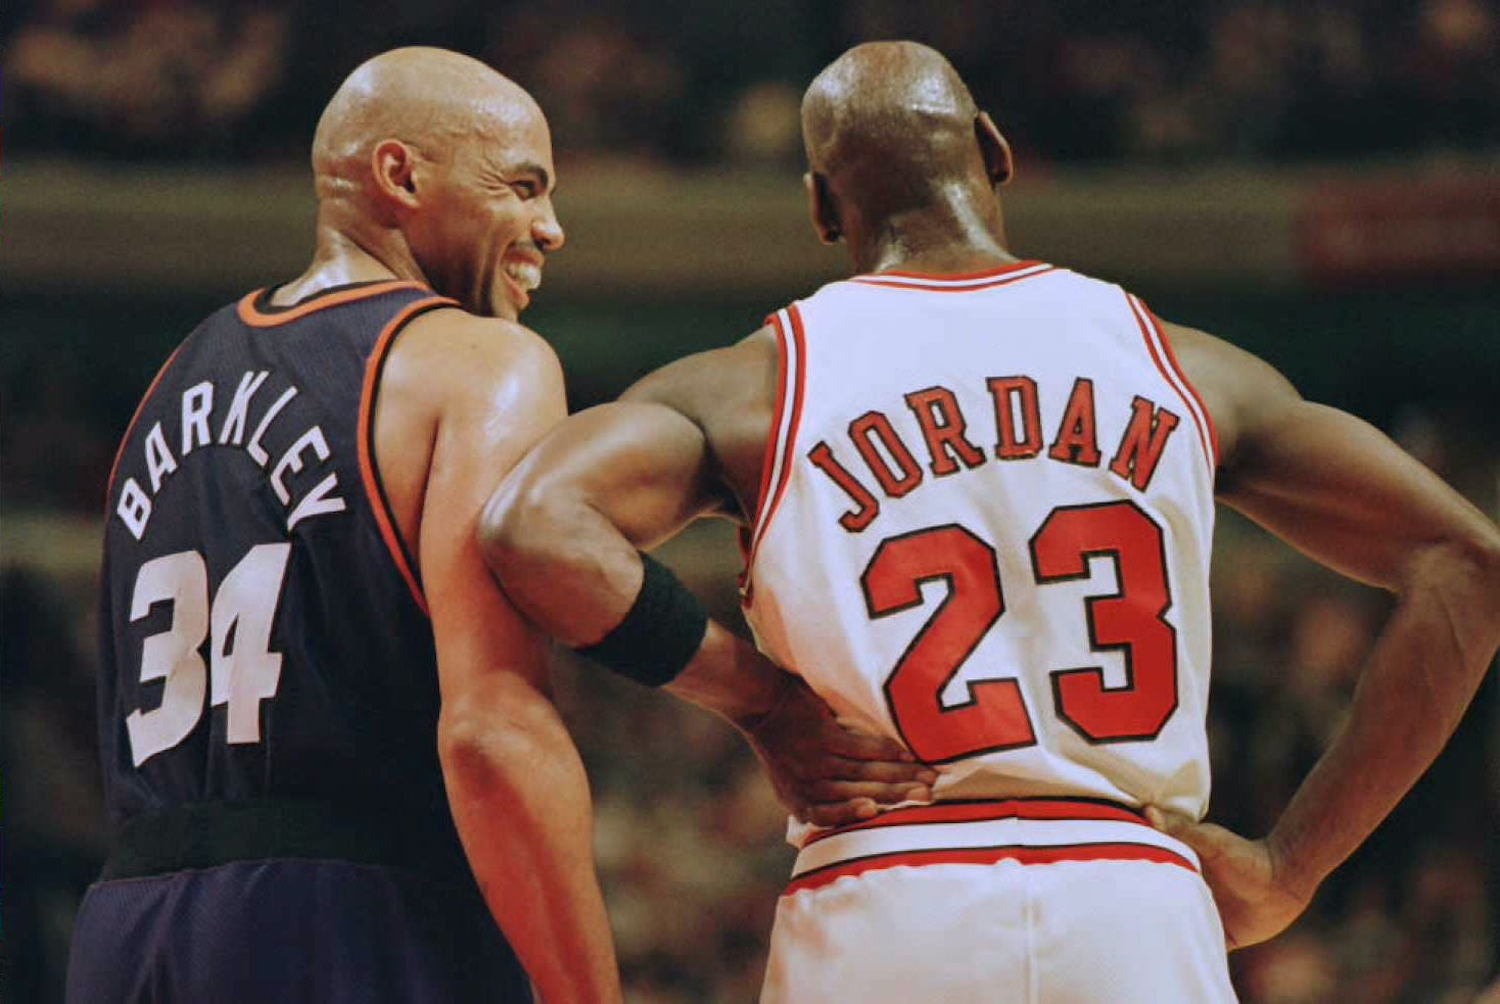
[(689, 835), (143, 78), (1068, 81), (54, 805)]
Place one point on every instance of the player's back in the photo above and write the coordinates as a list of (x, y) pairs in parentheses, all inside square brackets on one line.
[(986, 527), (268, 689)]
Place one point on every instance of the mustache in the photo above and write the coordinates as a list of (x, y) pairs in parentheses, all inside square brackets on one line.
[(529, 249)]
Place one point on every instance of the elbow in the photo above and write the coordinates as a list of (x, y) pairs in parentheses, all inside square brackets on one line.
[(482, 748), (1480, 558), (1465, 568), (514, 527), (1475, 558)]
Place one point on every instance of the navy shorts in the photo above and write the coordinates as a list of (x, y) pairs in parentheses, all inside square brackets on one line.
[(289, 931)]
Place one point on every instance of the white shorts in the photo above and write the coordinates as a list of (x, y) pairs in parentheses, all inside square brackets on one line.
[(1041, 901)]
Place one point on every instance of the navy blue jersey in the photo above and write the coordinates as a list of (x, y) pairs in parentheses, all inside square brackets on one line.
[(263, 631)]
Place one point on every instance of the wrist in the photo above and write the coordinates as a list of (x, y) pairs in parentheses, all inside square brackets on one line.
[(1289, 870), (781, 688)]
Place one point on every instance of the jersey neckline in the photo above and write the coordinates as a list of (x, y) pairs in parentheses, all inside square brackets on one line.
[(256, 310), (956, 280)]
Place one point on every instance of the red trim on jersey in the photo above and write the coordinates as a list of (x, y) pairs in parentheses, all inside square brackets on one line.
[(1166, 343), (1026, 855), (384, 519), (1210, 445), (786, 446), (922, 284), (789, 445), (259, 319), (955, 277), (768, 462), (975, 812), (114, 468)]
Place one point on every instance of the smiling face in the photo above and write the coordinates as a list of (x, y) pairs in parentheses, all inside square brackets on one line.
[(484, 220), (441, 169)]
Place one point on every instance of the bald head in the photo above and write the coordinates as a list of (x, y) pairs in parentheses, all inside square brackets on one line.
[(440, 170), (429, 98), (891, 125)]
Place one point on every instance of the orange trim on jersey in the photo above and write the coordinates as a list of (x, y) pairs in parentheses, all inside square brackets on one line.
[(976, 812), (259, 319), (1166, 343), (114, 468), (374, 491), (955, 277), (1209, 444), (1024, 854)]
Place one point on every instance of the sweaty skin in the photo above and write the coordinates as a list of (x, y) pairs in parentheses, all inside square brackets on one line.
[(399, 160), (431, 167), (905, 170)]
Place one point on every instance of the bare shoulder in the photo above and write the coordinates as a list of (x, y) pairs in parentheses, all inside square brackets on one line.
[(460, 399), (452, 360), (730, 395), (706, 386), (1240, 390)]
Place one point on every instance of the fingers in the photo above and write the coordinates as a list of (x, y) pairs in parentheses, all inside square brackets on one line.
[(839, 803), (884, 793), (1208, 840), (843, 769), (839, 813), (859, 746)]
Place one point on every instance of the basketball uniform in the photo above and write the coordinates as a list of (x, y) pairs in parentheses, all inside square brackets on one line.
[(984, 529), (268, 696)]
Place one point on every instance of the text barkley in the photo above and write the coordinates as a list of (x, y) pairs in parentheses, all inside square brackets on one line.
[(194, 431)]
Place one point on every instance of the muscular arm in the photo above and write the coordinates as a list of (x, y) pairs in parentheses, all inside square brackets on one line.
[(1341, 492), (563, 531), (515, 782)]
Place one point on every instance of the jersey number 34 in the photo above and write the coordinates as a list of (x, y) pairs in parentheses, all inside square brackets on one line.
[(244, 670), (995, 717)]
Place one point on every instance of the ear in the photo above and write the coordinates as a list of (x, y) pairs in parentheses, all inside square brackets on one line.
[(820, 205), (994, 149), (394, 166)]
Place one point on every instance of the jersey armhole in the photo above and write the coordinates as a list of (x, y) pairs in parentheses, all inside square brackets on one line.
[(369, 470), (1160, 349), (140, 409), (777, 464)]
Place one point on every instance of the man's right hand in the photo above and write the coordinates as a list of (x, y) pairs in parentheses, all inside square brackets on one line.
[(826, 774)]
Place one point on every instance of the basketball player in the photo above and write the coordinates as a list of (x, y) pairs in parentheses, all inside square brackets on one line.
[(977, 495), (305, 661)]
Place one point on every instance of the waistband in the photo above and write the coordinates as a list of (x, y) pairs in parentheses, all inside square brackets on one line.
[(208, 834), (1030, 831)]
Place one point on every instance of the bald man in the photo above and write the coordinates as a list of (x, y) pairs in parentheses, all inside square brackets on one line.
[(305, 662), (977, 495)]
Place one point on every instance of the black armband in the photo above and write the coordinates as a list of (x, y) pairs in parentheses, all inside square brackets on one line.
[(659, 635)]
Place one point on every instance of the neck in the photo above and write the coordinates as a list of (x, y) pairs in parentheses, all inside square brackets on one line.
[(348, 253), (961, 233)]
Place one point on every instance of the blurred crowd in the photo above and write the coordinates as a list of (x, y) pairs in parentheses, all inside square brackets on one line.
[(1071, 80), (689, 834)]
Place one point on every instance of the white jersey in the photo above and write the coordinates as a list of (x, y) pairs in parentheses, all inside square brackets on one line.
[(985, 527)]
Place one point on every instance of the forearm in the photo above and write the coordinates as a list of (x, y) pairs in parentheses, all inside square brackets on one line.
[(563, 564), (728, 676), (521, 803), (577, 576), (1420, 676)]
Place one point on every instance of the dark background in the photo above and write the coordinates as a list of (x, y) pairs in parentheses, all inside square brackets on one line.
[(1315, 182)]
